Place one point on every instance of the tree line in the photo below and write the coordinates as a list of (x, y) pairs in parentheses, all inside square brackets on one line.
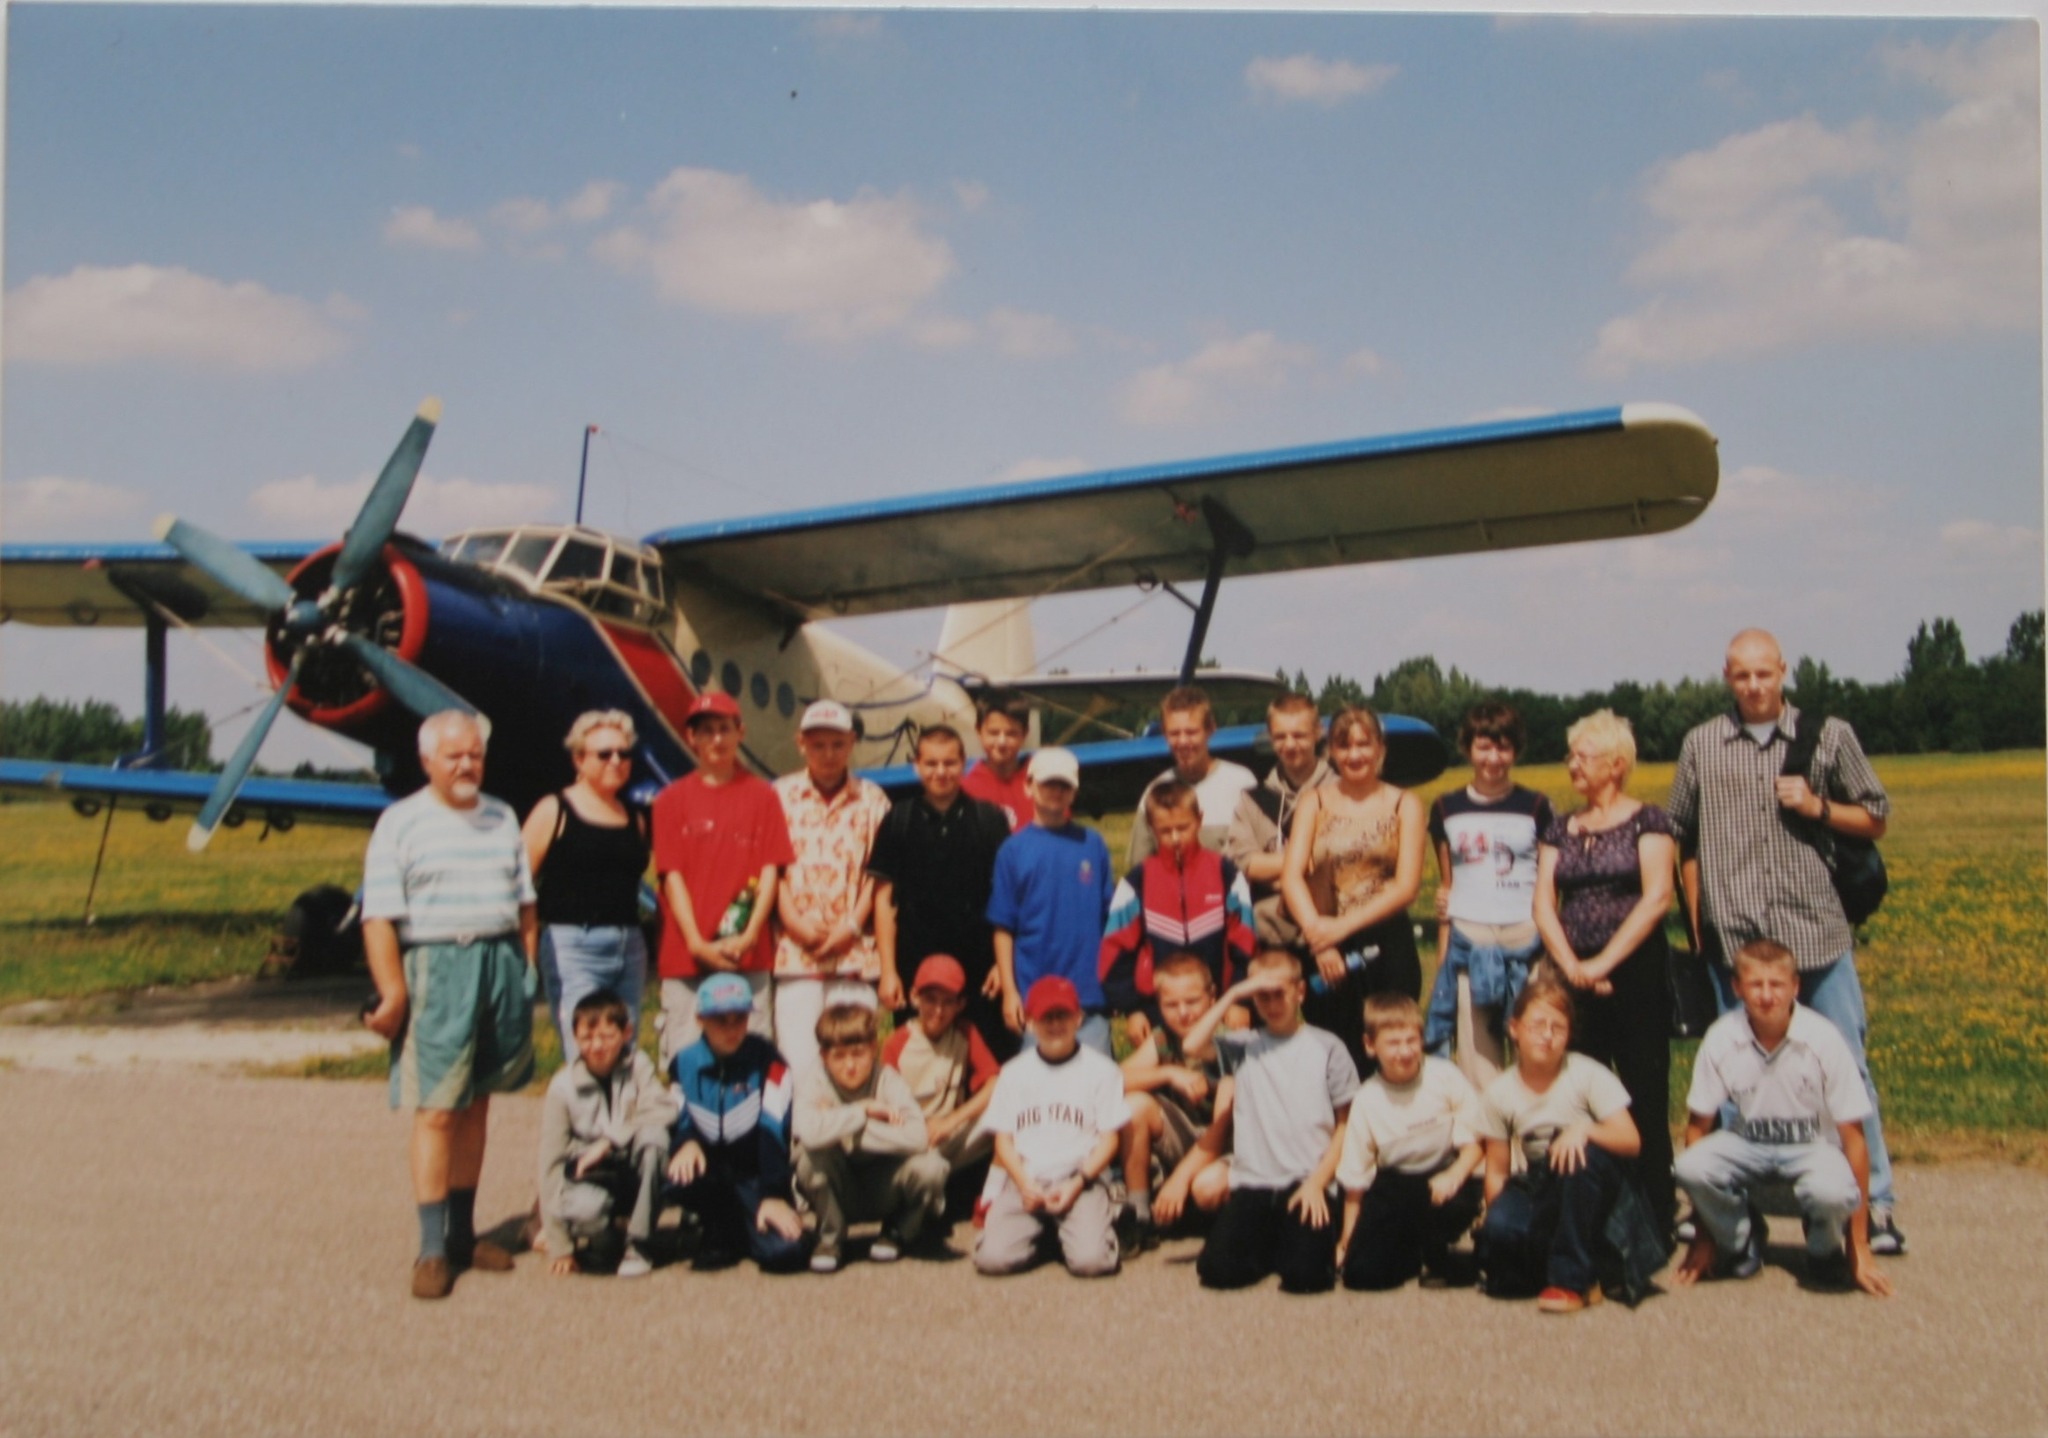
[(1940, 700)]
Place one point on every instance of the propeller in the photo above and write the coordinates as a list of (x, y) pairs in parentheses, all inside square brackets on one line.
[(318, 623)]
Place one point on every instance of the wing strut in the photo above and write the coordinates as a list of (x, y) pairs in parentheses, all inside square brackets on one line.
[(154, 668), (1228, 539)]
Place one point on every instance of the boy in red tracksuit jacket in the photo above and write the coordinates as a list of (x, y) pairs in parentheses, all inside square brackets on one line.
[(1184, 898)]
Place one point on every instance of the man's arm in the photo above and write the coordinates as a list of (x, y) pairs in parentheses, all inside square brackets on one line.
[(529, 933), (1862, 1262), (1006, 965), (890, 990), (387, 971)]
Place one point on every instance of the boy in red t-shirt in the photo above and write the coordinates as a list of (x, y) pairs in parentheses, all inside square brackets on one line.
[(719, 842), (1000, 776)]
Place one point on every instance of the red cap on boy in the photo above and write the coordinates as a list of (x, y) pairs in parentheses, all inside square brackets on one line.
[(1051, 994)]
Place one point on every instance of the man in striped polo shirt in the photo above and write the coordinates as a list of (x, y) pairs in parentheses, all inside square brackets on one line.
[(451, 933), (1756, 845)]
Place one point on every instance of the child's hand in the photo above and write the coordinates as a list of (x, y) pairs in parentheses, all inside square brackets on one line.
[(992, 986), (1443, 902), (1863, 1268), (1699, 1258), (1013, 1012), (1031, 1194), (1311, 1203), (563, 1266), (1330, 964), (1443, 1187), (1189, 1084), (688, 1164), (880, 1112), (779, 1218), (1324, 932), (591, 1157), (1062, 1195), (1170, 1201), (1568, 1149), (1137, 1028), (938, 1130), (889, 991)]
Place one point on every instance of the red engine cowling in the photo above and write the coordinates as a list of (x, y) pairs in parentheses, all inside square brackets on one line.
[(388, 606)]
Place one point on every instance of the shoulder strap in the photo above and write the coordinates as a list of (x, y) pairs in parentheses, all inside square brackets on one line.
[(561, 815), (1799, 753)]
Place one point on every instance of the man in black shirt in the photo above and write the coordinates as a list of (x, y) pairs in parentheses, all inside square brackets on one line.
[(933, 861)]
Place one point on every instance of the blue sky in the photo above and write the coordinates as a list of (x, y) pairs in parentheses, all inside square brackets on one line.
[(787, 258)]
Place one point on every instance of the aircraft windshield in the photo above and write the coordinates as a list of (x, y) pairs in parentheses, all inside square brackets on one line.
[(611, 576)]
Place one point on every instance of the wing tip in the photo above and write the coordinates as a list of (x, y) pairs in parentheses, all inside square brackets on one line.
[(198, 837)]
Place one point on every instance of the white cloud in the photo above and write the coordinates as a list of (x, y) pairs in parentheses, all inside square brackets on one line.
[(1314, 80), (971, 194), (1973, 541), (1797, 233), (101, 315), (942, 332), (1037, 468), (53, 506), (1366, 362), (307, 507), (418, 227), (1022, 335), (833, 268), (525, 215), (1211, 379)]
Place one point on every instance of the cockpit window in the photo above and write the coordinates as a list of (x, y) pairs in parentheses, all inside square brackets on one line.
[(481, 548), (530, 552), (579, 559)]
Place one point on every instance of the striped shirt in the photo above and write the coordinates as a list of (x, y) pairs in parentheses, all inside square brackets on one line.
[(1764, 870), (444, 874)]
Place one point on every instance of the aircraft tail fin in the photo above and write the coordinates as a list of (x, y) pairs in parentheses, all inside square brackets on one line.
[(991, 639)]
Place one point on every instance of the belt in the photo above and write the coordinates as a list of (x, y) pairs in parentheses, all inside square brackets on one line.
[(462, 940)]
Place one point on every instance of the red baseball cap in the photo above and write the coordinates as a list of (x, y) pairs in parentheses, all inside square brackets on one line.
[(713, 701), (940, 971), (1050, 995)]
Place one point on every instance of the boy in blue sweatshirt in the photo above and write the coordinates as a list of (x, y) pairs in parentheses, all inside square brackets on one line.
[(731, 1141)]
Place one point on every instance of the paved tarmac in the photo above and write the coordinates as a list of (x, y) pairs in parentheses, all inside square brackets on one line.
[(186, 1252)]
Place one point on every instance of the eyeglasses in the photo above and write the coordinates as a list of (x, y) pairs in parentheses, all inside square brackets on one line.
[(1546, 1028), (608, 755), (942, 997)]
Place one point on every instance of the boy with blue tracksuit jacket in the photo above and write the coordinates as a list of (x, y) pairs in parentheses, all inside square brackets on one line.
[(731, 1139)]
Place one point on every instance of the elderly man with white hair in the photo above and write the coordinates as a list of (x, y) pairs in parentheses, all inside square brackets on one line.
[(451, 932)]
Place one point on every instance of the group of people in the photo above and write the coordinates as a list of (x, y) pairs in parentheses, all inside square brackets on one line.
[(1283, 1078)]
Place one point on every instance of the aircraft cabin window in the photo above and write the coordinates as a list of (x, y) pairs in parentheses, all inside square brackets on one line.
[(529, 552), (760, 690), (579, 559), (482, 549), (785, 700), (700, 670), (729, 678)]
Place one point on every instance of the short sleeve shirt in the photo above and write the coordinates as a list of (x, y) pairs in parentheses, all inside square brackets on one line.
[(1217, 797), (1416, 1127), (1584, 1091), (717, 836), (1600, 876), (1493, 852), (1011, 795), (1796, 1094), (831, 839), (1288, 1092), (1051, 893), (443, 874), (944, 1074), (1055, 1113)]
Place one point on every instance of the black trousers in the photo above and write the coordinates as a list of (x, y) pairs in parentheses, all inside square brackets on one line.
[(1256, 1234), (1400, 1232), (1629, 1030)]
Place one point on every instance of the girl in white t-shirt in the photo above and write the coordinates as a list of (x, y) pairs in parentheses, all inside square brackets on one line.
[(1568, 1116)]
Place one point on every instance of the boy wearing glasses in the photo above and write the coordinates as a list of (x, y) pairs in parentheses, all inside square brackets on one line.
[(862, 1150), (951, 1074)]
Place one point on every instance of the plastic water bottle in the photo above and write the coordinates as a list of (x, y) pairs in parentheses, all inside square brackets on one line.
[(1354, 960)]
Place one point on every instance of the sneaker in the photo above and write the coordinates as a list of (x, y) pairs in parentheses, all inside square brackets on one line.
[(1748, 1261), (886, 1248), (824, 1262), (1563, 1300), (1885, 1239), (1686, 1231), (634, 1264), (432, 1278)]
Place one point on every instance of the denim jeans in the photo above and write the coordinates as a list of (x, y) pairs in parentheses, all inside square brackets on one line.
[(1545, 1229), (576, 960), (1836, 994)]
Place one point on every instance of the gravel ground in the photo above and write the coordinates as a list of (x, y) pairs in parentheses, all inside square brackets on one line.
[(193, 1253)]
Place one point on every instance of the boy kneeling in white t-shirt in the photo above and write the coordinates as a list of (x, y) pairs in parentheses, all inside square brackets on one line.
[(1799, 1106), (1056, 1117)]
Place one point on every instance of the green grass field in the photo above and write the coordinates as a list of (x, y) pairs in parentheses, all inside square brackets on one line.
[(1955, 965)]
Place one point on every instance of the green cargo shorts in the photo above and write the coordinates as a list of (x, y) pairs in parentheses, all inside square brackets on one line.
[(469, 1024)]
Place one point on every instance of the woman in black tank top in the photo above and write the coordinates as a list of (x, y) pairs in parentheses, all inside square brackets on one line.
[(588, 848)]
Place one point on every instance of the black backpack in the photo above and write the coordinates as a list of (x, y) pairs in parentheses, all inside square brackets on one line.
[(1855, 865)]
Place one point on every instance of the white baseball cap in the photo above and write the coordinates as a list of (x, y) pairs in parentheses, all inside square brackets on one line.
[(827, 714), (1056, 764)]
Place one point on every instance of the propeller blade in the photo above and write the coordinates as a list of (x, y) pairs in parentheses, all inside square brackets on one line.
[(227, 564), (386, 501), (411, 686), (239, 765)]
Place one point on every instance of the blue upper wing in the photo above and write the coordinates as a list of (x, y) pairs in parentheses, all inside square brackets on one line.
[(1637, 469)]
